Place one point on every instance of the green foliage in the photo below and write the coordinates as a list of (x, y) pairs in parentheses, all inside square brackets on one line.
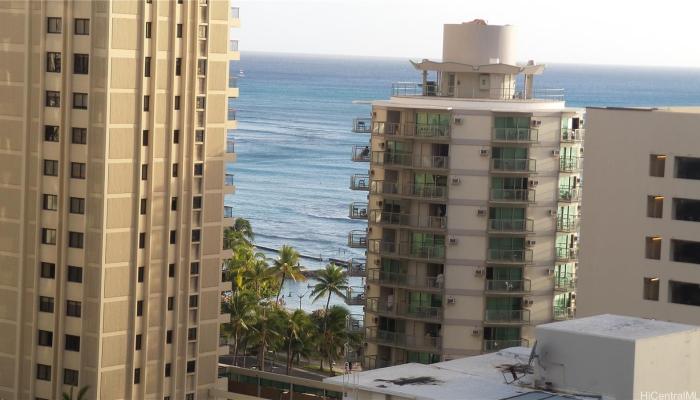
[(287, 266)]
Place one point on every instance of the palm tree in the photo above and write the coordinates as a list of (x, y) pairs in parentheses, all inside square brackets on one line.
[(331, 280), (241, 233), (242, 307), (265, 331), (298, 337), (287, 266), (82, 393), (335, 337)]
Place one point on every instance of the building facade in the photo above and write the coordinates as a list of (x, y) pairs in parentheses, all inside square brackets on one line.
[(473, 206), (113, 146), (645, 166)]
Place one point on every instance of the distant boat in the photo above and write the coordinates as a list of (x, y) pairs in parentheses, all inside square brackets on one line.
[(241, 74)]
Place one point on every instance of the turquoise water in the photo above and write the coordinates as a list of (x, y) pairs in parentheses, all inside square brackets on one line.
[(294, 140)]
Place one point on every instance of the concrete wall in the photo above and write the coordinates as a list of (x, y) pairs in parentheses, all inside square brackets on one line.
[(476, 44)]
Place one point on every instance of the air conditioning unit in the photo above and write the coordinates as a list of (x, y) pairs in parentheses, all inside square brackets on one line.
[(577, 179), (530, 243), (479, 272), (535, 123), (381, 145), (453, 241), (456, 181), (451, 300), (533, 183), (550, 272), (459, 121), (528, 302), (552, 213), (476, 332), (481, 212), (380, 203), (484, 152), (369, 229), (377, 262), (371, 172), (555, 153)]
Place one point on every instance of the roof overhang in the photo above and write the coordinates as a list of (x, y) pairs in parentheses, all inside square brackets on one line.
[(427, 65)]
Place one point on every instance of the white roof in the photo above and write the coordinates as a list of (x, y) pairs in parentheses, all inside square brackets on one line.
[(618, 326), (457, 104)]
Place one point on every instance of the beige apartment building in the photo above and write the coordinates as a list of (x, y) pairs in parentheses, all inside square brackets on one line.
[(113, 152), (473, 207), (640, 248)]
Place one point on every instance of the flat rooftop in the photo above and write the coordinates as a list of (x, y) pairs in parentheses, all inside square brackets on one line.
[(662, 109), (618, 327), (475, 104)]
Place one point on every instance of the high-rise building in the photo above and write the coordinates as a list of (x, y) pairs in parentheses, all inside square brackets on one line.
[(113, 147), (643, 165), (474, 189)]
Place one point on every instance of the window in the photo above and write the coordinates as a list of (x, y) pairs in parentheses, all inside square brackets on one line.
[(139, 274), (167, 370), (48, 236), (81, 63), (189, 396), (144, 172), (75, 240), (72, 343), (190, 366), (142, 240), (199, 136), (70, 377), (144, 137), (198, 169), (139, 308), (201, 67), (651, 289), (684, 293), (174, 170), (79, 136), (171, 303), (173, 237), (53, 25), (146, 103), (177, 102), (685, 251), (73, 308), (43, 372), (194, 268), (45, 338), (77, 170), (178, 30), (50, 202), (51, 167), (192, 334), (53, 98), (176, 136), (686, 210), (687, 168), (75, 274), (653, 247), (48, 270), (171, 270), (657, 165), (173, 204), (77, 205), (147, 67), (138, 342), (143, 206), (655, 206), (197, 202), (194, 300), (82, 26), (169, 337), (137, 376), (196, 235), (53, 62), (80, 101), (178, 66), (46, 304), (51, 133), (148, 30), (201, 102)]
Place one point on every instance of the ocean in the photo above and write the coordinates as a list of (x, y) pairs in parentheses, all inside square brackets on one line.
[(294, 141)]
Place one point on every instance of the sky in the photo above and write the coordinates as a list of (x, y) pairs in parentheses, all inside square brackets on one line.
[(618, 32)]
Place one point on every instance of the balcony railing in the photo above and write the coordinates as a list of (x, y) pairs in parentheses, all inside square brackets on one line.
[(235, 12), (420, 191), (362, 125), (564, 282), (373, 362), (400, 339), (567, 224), (359, 182), (233, 45), (569, 194), (358, 211), (523, 256), (232, 81), (357, 267), (408, 220), (228, 212), (566, 254), (355, 296), (572, 135), (513, 165), (432, 89), (357, 239), (513, 195), (512, 225), (507, 316), (406, 280), (411, 130), (231, 114), (496, 285), (361, 153), (564, 313), (228, 180), (392, 158), (407, 249), (496, 345), (515, 135), (570, 164), (356, 323), (230, 146)]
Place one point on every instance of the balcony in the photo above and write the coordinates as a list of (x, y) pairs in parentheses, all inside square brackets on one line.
[(572, 135), (228, 212), (507, 316), (404, 280), (513, 195), (362, 125), (419, 312), (563, 313), (231, 115), (502, 256), (511, 92), (233, 45), (230, 146), (408, 160), (517, 226), (361, 153), (514, 135), (569, 195), (566, 254), (564, 282), (228, 180), (373, 362), (235, 13), (408, 220), (411, 130), (356, 323), (515, 166), (357, 239), (570, 164), (413, 191), (358, 211), (359, 182), (379, 306), (491, 345), (355, 296), (400, 339), (407, 250), (567, 224), (508, 286), (356, 267)]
